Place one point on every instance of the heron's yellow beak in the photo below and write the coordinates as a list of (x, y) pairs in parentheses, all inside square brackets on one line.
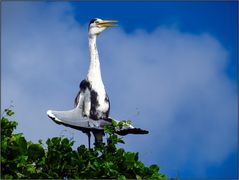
[(108, 23)]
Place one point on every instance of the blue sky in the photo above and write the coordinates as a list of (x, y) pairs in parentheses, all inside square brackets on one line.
[(217, 18), (171, 67)]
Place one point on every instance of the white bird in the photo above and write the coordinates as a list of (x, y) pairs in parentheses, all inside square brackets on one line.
[(92, 105)]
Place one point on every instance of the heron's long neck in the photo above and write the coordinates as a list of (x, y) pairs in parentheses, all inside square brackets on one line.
[(94, 73)]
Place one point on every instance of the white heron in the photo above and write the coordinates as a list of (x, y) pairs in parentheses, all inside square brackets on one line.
[(92, 105)]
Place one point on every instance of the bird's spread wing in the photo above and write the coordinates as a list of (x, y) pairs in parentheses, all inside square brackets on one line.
[(74, 117), (79, 117)]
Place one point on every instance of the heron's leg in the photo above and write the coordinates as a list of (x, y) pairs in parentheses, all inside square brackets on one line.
[(98, 136), (89, 138)]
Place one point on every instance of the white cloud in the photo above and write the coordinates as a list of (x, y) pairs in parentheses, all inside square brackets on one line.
[(185, 99), (169, 82), (40, 51)]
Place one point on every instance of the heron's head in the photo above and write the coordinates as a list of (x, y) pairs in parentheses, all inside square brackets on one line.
[(96, 26)]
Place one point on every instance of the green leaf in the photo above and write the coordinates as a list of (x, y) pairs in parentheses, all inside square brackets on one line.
[(154, 168), (30, 168), (120, 140), (40, 141), (24, 159), (138, 177), (8, 176), (121, 177), (129, 160), (9, 112), (114, 123), (20, 175), (36, 152)]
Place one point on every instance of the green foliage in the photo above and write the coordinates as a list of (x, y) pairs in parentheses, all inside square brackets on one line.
[(21, 159)]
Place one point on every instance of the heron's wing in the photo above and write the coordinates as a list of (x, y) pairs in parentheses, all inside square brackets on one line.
[(74, 119), (71, 117), (86, 103), (83, 98), (78, 98), (77, 117), (83, 102)]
